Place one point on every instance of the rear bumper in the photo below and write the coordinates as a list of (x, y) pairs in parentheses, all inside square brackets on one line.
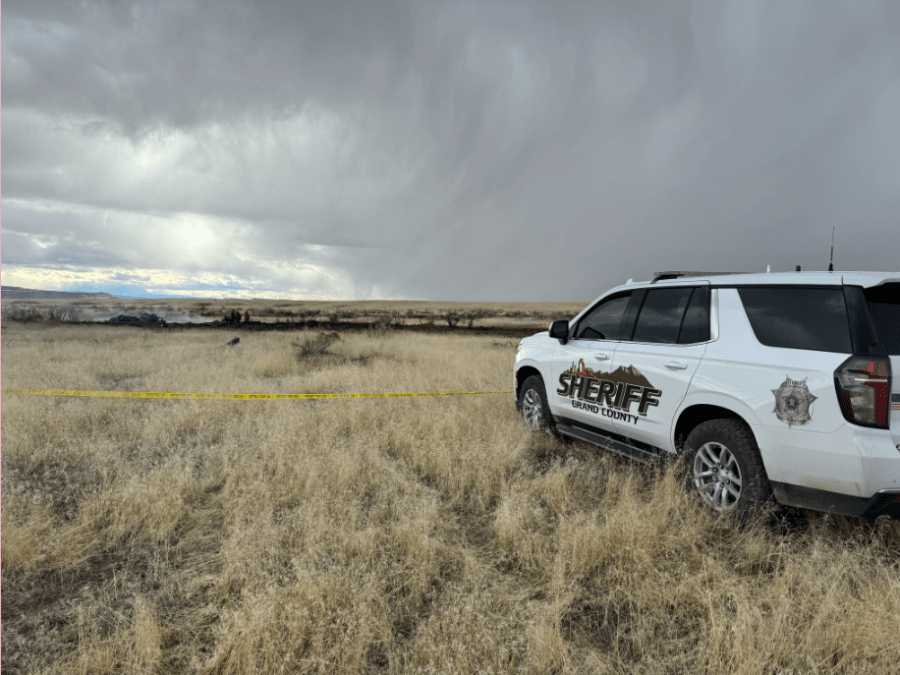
[(882, 503)]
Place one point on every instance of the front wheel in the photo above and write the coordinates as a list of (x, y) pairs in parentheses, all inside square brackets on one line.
[(533, 402), (723, 466)]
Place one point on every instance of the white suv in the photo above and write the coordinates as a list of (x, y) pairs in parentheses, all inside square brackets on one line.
[(764, 383)]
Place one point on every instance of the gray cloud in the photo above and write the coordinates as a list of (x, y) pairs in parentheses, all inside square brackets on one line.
[(501, 150)]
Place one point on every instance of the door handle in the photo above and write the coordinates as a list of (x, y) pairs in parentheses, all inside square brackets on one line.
[(676, 365), (601, 357)]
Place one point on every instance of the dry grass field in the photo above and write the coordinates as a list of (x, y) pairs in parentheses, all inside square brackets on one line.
[(397, 535)]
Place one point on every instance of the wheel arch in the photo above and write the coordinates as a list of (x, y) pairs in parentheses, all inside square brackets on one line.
[(522, 374), (694, 415)]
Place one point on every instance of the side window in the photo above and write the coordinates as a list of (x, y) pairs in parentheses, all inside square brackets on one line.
[(661, 315), (602, 322), (791, 317), (884, 306), (695, 327)]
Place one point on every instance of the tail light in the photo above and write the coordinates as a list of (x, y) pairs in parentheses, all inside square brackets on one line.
[(863, 386)]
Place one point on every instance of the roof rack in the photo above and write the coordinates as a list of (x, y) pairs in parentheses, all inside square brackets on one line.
[(661, 276)]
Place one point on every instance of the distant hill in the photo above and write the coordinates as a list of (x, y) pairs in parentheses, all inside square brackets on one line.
[(16, 293)]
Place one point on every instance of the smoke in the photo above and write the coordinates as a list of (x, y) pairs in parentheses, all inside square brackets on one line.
[(167, 314), (14, 311)]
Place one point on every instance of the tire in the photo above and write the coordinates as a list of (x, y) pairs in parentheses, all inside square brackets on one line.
[(723, 466), (533, 404)]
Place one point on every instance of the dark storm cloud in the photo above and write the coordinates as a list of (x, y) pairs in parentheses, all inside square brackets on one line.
[(501, 150), (59, 238)]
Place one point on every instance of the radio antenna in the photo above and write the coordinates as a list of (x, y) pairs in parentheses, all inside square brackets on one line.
[(831, 261)]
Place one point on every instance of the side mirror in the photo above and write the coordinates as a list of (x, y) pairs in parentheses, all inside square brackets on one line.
[(560, 331)]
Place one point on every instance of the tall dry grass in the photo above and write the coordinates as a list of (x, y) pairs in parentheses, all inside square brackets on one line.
[(418, 535)]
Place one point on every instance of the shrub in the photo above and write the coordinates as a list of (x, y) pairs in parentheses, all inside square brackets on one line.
[(316, 346)]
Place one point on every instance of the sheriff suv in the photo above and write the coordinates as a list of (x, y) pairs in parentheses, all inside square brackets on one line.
[(764, 384)]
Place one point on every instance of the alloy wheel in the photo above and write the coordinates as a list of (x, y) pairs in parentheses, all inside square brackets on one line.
[(533, 409), (717, 476)]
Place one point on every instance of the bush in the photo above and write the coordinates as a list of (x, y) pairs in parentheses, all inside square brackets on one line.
[(316, 346), (30, 314), (472, 316)]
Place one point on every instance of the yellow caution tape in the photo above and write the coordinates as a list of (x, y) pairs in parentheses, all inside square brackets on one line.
[(158, 394)]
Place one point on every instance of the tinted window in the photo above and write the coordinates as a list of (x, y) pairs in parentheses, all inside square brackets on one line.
[(884, 306), (602, 322), (799, 318), (661, 314), (695, 327)]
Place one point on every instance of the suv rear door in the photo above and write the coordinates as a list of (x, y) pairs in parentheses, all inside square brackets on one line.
[(656, 359), (781, 346)]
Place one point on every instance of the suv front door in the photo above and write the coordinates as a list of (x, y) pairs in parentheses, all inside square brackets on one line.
[(656, 359), (578, 366)]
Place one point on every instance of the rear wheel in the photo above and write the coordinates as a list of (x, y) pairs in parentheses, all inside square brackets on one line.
[(533, 402), (723, 466)]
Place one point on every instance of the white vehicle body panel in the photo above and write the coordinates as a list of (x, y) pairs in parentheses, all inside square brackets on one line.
[(535, 352)]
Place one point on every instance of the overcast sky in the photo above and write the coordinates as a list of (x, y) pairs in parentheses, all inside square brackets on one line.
[(480, 150)]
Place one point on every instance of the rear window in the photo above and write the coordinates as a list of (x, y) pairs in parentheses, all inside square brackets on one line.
[(884, 306), (810, 318)]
